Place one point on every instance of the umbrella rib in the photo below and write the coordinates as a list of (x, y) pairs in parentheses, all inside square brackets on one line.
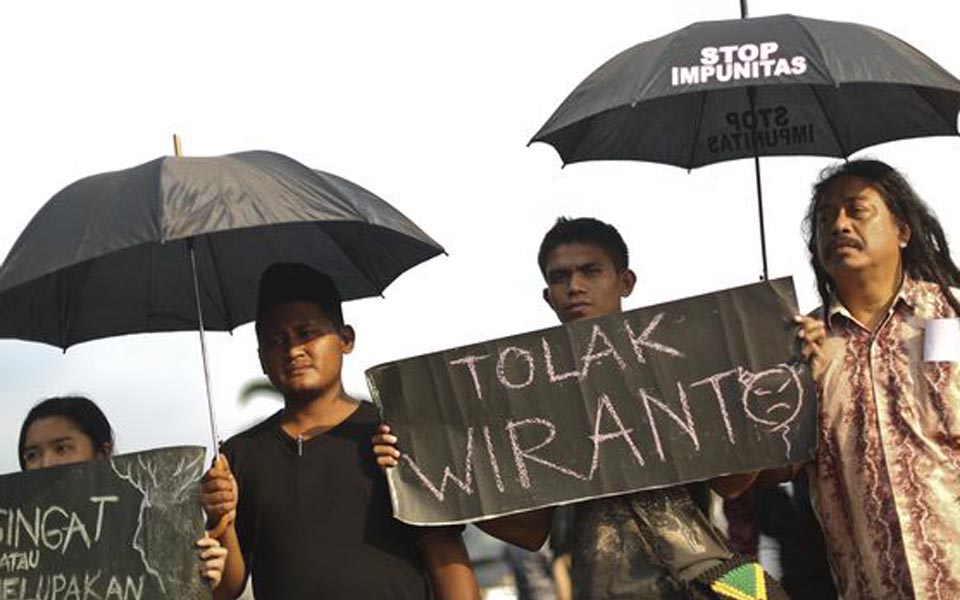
[(376, 283), (696, 129), (64, 313), (833, 82), (225, 314), (67, 289), (161, 204), (826, 116), (919, 91), (813, 42)]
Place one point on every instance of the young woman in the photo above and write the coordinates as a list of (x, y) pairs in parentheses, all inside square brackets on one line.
[(72, 429)]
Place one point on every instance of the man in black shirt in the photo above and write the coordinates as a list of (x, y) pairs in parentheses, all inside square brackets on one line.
[(308, 510)]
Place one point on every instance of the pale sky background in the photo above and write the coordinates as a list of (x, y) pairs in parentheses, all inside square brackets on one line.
[(427, 104)]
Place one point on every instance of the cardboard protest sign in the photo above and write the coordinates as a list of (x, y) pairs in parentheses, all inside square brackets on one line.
[(116, 529), (678, 392)]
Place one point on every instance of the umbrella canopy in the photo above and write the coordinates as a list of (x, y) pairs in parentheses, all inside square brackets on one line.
[(779, 85), (111, 254)]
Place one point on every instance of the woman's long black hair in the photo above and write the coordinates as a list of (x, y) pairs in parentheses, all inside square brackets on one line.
[(82, 411)]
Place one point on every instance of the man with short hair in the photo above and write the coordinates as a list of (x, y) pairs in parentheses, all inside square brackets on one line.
[(649, 544), (886, 479), (312, 513), (654, 544)]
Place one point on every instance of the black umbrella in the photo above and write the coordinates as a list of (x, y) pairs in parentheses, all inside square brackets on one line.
[(779, 85), (180, 244)]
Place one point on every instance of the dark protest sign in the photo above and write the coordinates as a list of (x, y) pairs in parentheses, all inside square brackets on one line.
[(117, 529), (672, 393)]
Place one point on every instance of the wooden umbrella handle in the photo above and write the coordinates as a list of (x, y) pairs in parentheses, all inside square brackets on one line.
[(222, 525), (227, 519)]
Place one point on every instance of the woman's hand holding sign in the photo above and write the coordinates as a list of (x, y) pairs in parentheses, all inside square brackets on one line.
[(385, 447), (213, 557)]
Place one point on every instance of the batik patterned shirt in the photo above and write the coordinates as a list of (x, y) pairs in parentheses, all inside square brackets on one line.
[(886, 481)]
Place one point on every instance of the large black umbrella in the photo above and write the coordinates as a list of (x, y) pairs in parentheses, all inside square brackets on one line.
[(779, 85), (180, 244)]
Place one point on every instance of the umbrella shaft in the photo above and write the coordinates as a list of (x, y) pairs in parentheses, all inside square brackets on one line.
[(763, 235), (203, 348)]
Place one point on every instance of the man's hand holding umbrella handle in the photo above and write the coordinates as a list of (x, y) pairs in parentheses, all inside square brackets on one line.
[(218, 494)]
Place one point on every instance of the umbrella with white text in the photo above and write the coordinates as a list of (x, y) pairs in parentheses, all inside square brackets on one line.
[(778, 85)]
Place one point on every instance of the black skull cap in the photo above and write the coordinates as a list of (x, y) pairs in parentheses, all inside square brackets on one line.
[(296, 282)]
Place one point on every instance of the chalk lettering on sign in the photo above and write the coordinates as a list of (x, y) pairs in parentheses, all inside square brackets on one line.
[(604, 406), (526, 358), (164, 485), (593, 355), (516, 367), (522, 455), (14, 523), (714, 381), (759, 388), (59, 584), (114, 588), (130, 589), (101, 502), (493, 459), (19, 561), (62, 586), (89, 582), (642, 400), (52, 527), (686, 424), (54, 538), (639, 342), (465, 484), (551, 369), (51, 536), (471, 362), (765, 398)]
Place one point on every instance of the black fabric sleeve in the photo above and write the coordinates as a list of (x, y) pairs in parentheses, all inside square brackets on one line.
[(418, 532), (241, 523)]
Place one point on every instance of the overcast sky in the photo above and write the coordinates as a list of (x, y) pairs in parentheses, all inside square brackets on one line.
[(428, 104)]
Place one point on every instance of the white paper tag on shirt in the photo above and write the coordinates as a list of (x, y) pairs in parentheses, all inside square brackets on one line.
[(941, 340)]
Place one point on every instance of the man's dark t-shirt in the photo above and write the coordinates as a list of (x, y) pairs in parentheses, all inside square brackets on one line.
[(314, 517)]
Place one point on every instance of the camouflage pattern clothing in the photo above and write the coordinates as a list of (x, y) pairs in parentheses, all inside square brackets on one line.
[(635, 546)]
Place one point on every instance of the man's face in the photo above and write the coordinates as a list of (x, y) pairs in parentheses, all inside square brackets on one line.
[(582, 282), (855, 229), (301, 350)]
